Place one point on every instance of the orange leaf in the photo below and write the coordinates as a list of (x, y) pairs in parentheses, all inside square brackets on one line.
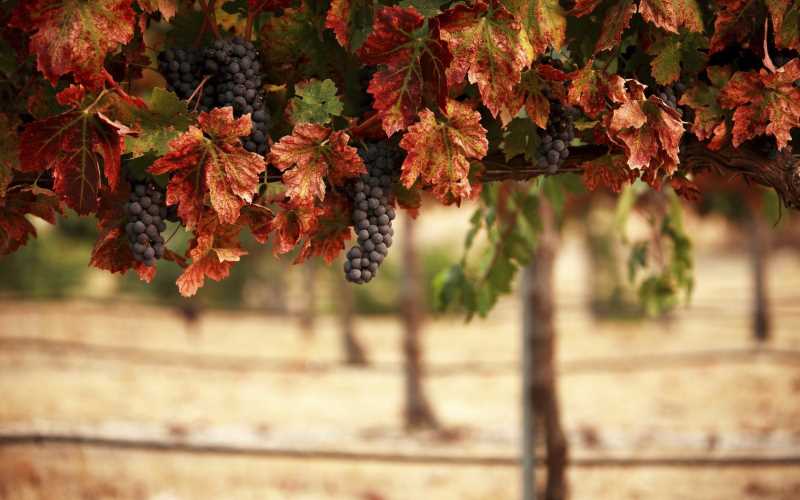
[(316, 153), (211, 159), (74, 36), (487, 47), (764, 103), (439, 152)]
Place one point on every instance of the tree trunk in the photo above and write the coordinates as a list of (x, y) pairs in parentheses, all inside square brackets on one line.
[(354, 353), (759, 253), (418, 411), (309, 312), (540, 397)]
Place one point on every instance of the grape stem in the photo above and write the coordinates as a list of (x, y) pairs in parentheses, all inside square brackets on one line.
[(208, 7), (251, 17), (360, 128)]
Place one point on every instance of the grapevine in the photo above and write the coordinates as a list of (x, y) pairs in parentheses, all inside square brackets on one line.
[(259, 119), (146, 213), (372, 212)]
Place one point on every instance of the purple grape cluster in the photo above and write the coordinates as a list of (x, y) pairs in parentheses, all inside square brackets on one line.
[(372, 211), (146, 210), (181, 70), (554, 147), (236, 81), (234, 70), (671, 94)]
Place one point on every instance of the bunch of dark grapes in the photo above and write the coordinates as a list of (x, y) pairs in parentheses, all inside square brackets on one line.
[(234, 72), (146, 210), (181, 70), (554, 148), (236, 81), (671, 94), (372, 211)]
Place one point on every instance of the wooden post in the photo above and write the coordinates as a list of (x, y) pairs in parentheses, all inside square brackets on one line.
[(354, 353), (309, 312), (759, 253), (540, 395), (418, 411), (528, 444)]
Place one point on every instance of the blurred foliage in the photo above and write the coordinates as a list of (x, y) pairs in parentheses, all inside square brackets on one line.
[(504, 233), (53, 264), (382, 296), (661, 265)]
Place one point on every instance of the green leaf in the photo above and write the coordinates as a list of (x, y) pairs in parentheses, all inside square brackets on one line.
[(521, 138), (315, 102), (666, 66), (165, 117), (677, 53), (637, 259), (500, 274), (554, 191), (185, 26)]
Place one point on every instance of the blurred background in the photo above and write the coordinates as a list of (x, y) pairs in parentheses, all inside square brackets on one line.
[(285, 382)]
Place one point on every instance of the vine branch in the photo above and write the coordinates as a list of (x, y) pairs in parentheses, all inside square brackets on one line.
[(781, 173)]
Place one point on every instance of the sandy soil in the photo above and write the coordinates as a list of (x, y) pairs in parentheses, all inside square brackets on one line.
[(697, 389)]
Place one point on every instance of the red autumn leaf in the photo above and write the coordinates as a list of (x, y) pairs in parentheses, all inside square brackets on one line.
[(293, 224), (112, 251), (9, 151), (213, 251), (15, 228), (544, 22), (439, 152), (689, 15), (331, 231), (666, 14), (738, 21), (210, 159), (167, 8), (785, 16), (659, 12), (764, 103), (617, 19), (709, 117), (316, 153), (610, 171), (259, 220), (79, 146), (487, 48), (589, 89), (338, 20), (74, 36), (411, 54), (584, 7), (650, 132), (349, 21), (685, 188)]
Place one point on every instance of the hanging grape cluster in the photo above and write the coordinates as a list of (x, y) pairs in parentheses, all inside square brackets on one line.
[(554, 148), (372, 211), (671, 94), (146, 210), (233, 69), (236, 81), (181, 69)]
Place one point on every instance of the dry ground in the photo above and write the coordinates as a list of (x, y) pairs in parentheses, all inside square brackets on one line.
[(687, 387)]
